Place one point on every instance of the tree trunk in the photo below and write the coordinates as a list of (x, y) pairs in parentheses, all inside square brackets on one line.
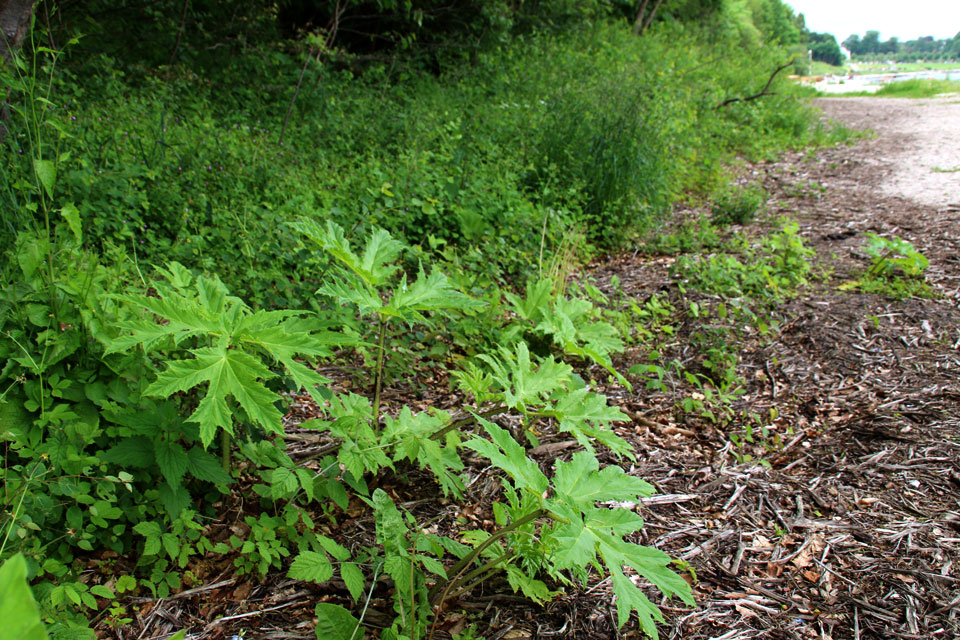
[(14, 21), (639, 20), (644, 19), (15, 18)]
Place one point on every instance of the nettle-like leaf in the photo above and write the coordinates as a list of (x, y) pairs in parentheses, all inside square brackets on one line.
[(411, 437), (427, 293), (337, 623), (315, 566), (232, 368), (521, 382), (588, 417)]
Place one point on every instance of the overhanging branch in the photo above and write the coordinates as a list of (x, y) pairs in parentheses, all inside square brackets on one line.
[(766, 89)]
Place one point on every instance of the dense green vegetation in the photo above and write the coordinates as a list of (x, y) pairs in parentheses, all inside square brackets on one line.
[(190, 224), (824, 48)]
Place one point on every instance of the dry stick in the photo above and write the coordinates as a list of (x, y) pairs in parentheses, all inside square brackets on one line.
[(183, 22), (766, 89), (296, 91), (254, 613), (335, 25), (462, 422), (46, 17)]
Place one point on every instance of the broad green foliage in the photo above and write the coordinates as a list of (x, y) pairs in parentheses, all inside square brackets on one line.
[(896, 269), (547, 390), (771, 270), (738, 205), (571, 323), (398, 208), (336, 623), (230, 342), (580, 533), (364, 280), (18, 609), (895, 254)]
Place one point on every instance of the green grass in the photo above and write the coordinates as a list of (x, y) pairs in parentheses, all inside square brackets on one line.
[(919, 88), (914, 88), (905, 67), (823, 68)]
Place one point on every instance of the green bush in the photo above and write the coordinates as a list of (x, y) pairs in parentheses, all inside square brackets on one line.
[(738, 204)]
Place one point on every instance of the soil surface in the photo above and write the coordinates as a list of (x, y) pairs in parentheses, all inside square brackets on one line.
[(917, 150), (842, 519)]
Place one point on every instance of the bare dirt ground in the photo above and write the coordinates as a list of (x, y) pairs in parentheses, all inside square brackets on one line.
[(916, 154), (845, 523)]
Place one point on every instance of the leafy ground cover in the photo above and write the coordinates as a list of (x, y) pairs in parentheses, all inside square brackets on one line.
[(343, 348)]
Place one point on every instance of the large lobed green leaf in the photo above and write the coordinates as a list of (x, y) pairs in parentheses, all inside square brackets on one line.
[(18, 609)]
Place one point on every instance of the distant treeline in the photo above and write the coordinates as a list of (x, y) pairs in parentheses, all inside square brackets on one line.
[(926, 48)]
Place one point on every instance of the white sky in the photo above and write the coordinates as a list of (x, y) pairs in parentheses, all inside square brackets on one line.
[(905, 20)]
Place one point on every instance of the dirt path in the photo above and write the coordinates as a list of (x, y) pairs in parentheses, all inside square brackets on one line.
[(916, 154), (852, 530)]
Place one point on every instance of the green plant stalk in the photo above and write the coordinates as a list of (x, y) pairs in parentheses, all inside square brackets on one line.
[(413, 600), (16, 512), (484, 572), (366, 604), (464, 562), (880, 264), (455, 425), (225, 449), (379, 379)]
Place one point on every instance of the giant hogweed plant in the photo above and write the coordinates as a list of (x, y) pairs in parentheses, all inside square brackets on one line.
[(370, 283), (426, 569), (228, 348), (570, 323), (564, 527), (557, 528)]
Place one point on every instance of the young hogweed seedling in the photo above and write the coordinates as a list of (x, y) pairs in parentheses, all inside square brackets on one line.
[(369, 282)]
